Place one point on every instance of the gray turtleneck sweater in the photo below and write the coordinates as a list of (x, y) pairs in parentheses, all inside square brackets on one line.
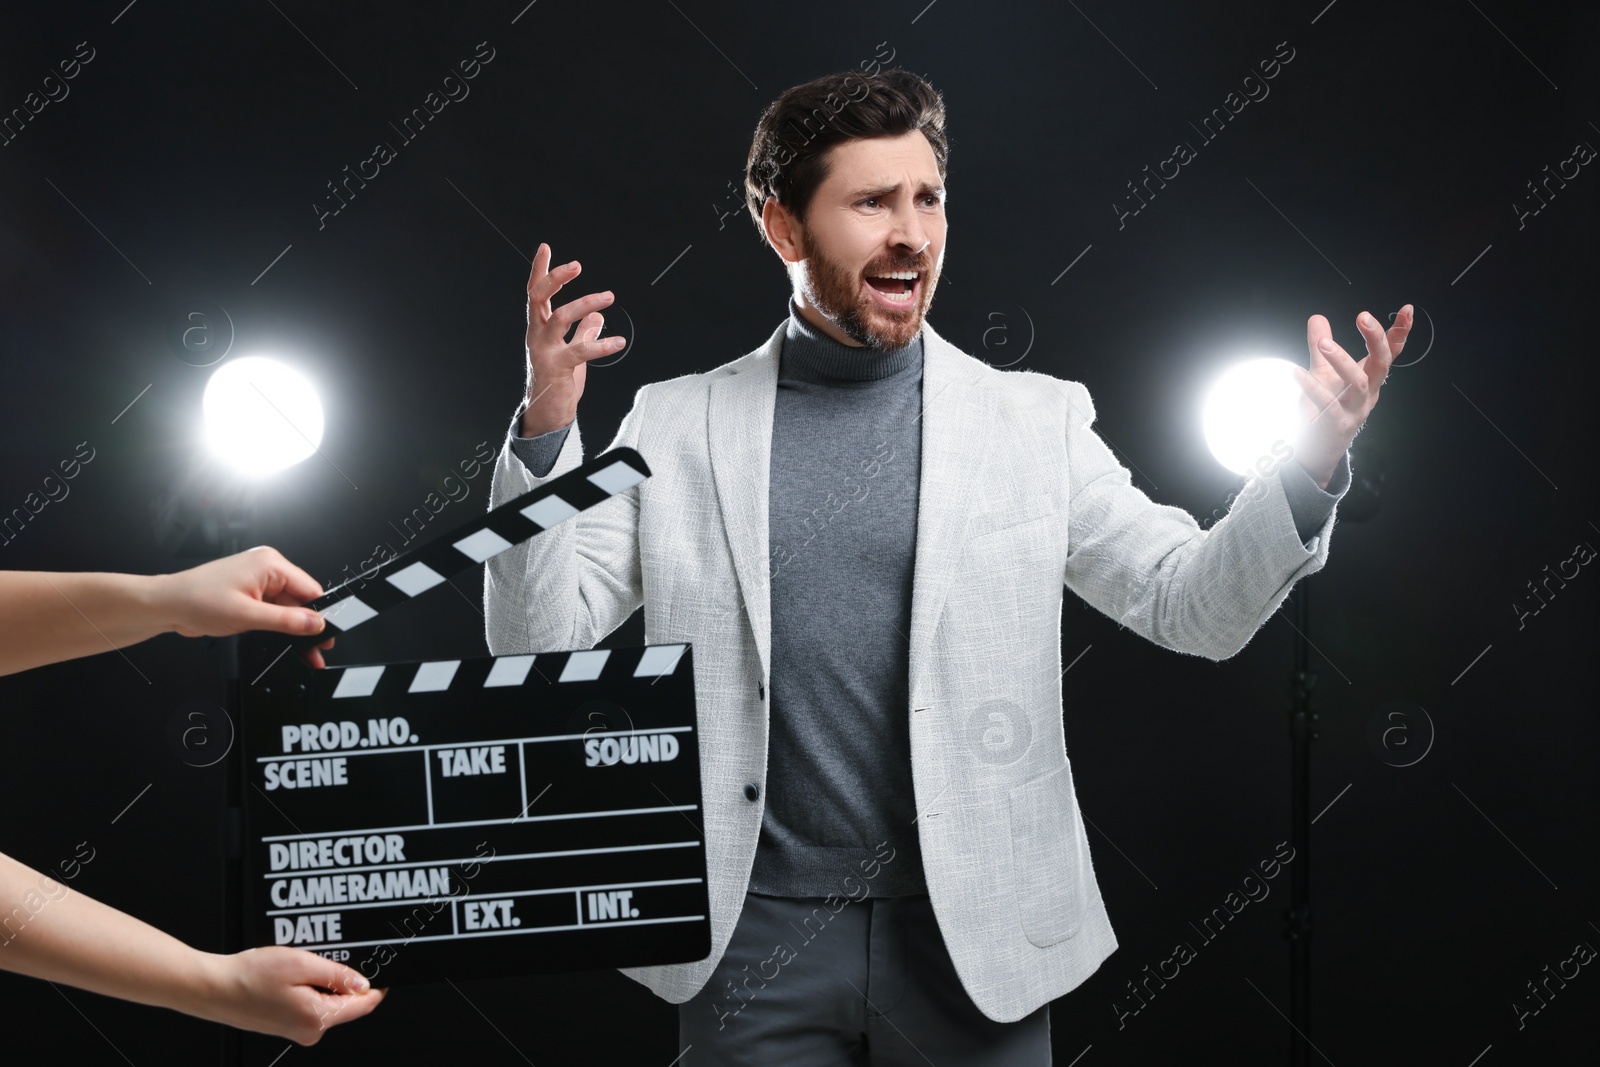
[(842, 514)]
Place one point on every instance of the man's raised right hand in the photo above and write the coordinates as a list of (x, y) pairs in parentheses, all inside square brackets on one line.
[(556, 366)]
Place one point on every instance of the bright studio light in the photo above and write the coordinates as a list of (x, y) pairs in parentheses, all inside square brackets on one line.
[(261, 416), (1252, 407)]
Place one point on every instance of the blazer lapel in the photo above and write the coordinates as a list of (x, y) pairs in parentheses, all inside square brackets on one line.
[(958, 433), (739, 429)]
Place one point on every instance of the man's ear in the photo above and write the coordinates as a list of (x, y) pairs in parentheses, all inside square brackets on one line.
[(781, 230)]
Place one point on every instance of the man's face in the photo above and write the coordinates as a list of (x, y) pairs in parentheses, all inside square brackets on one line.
[(879, 211)]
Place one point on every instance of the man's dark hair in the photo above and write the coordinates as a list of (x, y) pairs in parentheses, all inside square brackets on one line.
[(788, 156)]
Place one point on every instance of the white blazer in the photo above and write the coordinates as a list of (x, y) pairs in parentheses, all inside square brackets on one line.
[(1043, 504)]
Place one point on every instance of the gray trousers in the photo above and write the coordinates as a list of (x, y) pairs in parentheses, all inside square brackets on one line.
[(867, 984)]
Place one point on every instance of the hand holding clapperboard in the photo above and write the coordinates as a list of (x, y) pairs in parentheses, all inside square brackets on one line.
[(485, 817)]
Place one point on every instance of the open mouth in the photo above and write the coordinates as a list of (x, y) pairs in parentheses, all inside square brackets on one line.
[(895, 288)]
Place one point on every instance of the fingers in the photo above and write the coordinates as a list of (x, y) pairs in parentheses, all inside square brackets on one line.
[(313, 656), (1400, 330), (342, 993), (541, 265), (295, 582), (337, 1009), (1319, 394), (587, 343), (1335, 355), (540, 292), (573, 310), (544, 284), (1377, 348), (257, 615), (336, 976), (594, 348), (589, 327), (1317, 329), (1365, 376)]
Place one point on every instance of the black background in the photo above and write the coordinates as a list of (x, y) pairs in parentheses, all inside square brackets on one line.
[(1386, 160)]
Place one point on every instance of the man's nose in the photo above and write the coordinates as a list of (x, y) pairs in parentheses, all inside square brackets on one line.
[(909, 232)]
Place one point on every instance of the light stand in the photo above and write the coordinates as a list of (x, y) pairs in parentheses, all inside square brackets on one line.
[(206, 515), (1254, 402), (1360, 503), (1297, 918)]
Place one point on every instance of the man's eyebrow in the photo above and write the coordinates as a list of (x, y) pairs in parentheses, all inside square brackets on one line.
[(925, 189)]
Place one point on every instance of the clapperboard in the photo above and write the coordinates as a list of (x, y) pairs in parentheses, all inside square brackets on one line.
[(479, 817)]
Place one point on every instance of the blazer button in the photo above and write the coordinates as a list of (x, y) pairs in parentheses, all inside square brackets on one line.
[(751, 791)]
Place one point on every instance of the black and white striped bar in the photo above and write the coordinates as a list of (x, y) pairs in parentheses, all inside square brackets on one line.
[(414, 572), (477, 817), (448, 675)]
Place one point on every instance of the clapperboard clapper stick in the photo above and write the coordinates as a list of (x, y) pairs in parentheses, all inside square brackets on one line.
[(482, 817), (413, 573)]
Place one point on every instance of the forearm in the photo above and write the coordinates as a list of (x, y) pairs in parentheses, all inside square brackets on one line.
[(48, 616), (52, 932), (512, 586), (575, 583), (1152, 569)]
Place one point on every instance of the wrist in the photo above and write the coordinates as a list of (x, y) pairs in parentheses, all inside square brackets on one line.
[(202, 986), (157, 599), (551, 402)]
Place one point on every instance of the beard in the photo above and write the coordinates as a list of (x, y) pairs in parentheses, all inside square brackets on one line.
[(836, 292)]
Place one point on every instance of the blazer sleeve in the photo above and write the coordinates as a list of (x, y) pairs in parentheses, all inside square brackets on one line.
[(569, 587), (1153, 569)]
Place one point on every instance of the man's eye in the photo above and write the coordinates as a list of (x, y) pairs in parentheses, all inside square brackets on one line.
[(870, 200)]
